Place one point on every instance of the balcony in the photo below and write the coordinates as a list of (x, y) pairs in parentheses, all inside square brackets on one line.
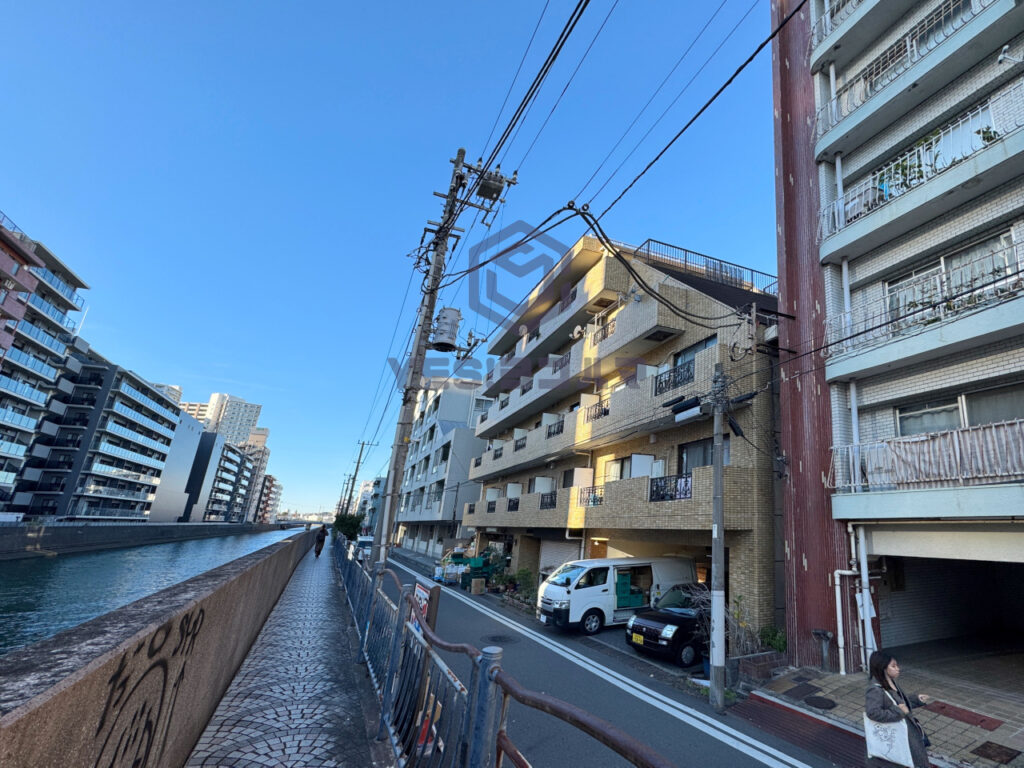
[(673, 378), (497, 453), (22, 390), (544, 510), (491, 506), (937, 314), (850, 27), (639, 327), (109, 513), (976, 152), (603, 332), (148, 442), (671, 488), (973, 472), (124, 453), (519, 444), (145, 421), (31, 363), (512, 504), (555, 429), (108, 470), (548, 500), (955, 36), (596, 411), (12, 450), (110, 492), (7, 478), (63, 323), (66, 291), (591, 496), (149, 402), (42, 337), (17, 420)]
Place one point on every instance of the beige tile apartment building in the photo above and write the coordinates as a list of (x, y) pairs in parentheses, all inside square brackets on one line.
[(585, 459)]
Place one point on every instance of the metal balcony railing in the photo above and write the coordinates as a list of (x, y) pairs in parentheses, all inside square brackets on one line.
[(555, 429), (591, 496), (503, 403), (483, 417), (497, 453), (58, 285), (491, 506), (833, 18), (22, 389), (527, 386), (673, 378), (44, 338), (478, 461), (976, 129), (656, 252), (561, 362), (549, 500), (31, 362), (596, 411), (513, 504), (568, 300), (928, 34), (471, 509), (938, 296), (981, 455), (671, 488), (603, 332)]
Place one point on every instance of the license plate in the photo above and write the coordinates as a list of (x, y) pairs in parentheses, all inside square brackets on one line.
[(543, 619), (638, 639)]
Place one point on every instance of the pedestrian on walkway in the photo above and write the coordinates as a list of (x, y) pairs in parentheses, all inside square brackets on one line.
[(321, 537), (885, 702)]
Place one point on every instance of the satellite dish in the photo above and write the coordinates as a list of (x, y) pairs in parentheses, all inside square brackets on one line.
[(577, 332), (523, 330)]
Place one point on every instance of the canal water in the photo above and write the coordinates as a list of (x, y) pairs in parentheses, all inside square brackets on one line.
[(42, 596)]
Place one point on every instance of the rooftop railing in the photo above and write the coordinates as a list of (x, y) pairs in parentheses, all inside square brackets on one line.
[(978, 455), (948, 17), (707, 267)]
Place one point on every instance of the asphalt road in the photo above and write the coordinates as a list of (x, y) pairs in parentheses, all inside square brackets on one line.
[(646, 698)]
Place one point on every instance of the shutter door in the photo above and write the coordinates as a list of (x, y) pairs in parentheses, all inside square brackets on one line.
[(554, 552)]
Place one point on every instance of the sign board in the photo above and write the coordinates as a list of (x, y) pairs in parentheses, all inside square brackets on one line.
[(426, 598)]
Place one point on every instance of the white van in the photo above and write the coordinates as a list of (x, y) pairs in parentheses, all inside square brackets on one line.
[(363, 547), (595, 593)]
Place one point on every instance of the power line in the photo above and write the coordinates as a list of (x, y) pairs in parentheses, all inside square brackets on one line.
[(707, 104), (651, 99)]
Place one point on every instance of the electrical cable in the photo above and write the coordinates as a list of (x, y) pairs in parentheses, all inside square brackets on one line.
[(707, 104), (558, 101), (651, 99)]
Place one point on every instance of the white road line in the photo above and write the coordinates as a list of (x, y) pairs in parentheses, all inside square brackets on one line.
[(694, 718)]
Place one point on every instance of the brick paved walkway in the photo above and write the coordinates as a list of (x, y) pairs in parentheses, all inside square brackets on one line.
[(296, 700)]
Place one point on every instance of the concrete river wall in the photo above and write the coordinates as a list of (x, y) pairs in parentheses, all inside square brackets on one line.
[(136, 686), (20, 541)]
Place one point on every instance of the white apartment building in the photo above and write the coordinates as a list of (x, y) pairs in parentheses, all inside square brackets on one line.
[(435, 483), (226, 415), (920, 153)]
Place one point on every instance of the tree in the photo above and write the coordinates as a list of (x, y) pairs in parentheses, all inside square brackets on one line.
[(348, 525)]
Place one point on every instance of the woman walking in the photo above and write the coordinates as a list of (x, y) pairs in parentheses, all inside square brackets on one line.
[(321, 537), (885, 702)]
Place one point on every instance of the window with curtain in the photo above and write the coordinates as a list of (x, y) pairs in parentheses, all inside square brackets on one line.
[(992, 406), (936, 416), (685, 355), (700, 453)]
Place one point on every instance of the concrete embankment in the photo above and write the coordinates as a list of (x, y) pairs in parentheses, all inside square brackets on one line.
[(21, 541), (138, 685)]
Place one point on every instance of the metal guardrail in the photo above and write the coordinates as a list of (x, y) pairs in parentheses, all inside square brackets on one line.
[(429, 716)]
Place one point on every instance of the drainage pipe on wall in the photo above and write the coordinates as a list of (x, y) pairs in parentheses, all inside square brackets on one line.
[(865, 591), (840, 635)]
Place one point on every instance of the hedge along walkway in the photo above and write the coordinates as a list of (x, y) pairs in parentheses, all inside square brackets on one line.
[(298, 699)]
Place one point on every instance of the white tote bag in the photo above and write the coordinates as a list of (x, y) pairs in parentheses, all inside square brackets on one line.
[(888, 741)]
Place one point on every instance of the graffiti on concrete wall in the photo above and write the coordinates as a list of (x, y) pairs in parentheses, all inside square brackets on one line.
[(142, 693)]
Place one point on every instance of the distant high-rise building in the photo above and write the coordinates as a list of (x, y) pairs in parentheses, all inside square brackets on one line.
[(227, 415), (269, 500), (173, 391)]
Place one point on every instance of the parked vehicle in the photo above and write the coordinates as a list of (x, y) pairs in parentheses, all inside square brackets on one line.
[(675, 627), (362, 547), (602, 592)]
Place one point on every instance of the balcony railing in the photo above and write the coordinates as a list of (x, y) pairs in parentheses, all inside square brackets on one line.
[(32, 363), (596, 411), (697, 264), (924, 37), (51, 312), (982, 455), (86, 510), (491, 506), (124, 453), (674, 378), (149, 402), (483, 417), (591, 496), (134, 415), (555, 429), (838, 12), (135, 437), (931, 298), (603, 332), (21, 389), (478, 461), (568, 300), (109, 492), (8, 448), (513, 504), (549, 500), (982, 125), (15, 419), (519, 444), (527, 386), (503, 403), (58, 285), (671, 488), (561, 362), (7, 478), (497, 453), (471, 509), (48, 341)]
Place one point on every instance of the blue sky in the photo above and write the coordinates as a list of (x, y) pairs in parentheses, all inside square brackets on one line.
[(240, 182)]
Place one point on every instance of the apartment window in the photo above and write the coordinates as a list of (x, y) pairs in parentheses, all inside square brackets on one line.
[(935, 416), (688, 354), (991, 406), (481, 405), (700, 453), (617, 469), (445, 451)]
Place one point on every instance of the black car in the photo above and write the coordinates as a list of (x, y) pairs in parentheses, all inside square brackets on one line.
[(675, 627)]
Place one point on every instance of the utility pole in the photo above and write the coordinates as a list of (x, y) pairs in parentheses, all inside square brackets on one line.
[(489, 186), (717, 696), (355, 475), (339, 508)]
